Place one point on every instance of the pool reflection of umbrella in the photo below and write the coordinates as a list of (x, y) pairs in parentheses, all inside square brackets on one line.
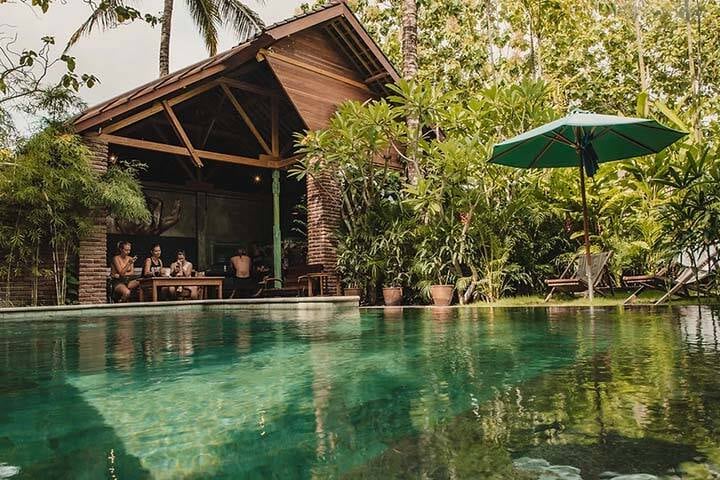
[(586, 140)]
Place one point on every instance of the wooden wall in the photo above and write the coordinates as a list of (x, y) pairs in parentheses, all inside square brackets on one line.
[(316, 96)]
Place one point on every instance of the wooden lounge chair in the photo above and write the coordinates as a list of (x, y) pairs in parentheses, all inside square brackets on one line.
[(692, 277), (574, 278), (653, 281)]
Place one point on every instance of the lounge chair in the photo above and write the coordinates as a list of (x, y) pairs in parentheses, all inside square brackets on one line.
[(695, 274), (574, 278), (653, 281)]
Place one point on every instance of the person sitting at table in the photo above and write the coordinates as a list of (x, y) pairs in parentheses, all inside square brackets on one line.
[(243, 283), (153, 264), (181, 267), (153, 267), (121, 272)]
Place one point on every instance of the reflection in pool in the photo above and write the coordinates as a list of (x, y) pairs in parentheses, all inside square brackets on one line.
[(395, 393)]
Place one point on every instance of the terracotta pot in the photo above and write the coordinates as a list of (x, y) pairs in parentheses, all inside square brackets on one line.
[(392, 296), (352, 292), (442, 295)]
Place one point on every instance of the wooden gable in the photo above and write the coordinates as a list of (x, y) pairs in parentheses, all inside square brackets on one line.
[(316, 75)]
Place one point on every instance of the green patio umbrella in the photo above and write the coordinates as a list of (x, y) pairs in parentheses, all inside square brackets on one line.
[(584, 140)]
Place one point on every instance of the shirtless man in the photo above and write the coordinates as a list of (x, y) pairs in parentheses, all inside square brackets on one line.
[(121, 270), (242, 265)]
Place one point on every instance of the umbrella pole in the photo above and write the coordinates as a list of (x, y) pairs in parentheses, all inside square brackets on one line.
[(586, 227)]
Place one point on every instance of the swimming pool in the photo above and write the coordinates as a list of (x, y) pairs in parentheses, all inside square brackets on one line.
[(396, 393)]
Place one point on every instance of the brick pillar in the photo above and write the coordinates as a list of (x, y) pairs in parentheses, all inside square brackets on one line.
[(323, 220), (92, 252)]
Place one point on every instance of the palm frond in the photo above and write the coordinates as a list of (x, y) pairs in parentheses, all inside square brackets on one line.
[(244, 20), (205, 15), (105, 16)]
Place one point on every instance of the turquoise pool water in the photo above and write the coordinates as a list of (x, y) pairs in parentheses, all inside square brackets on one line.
[(342, 393)]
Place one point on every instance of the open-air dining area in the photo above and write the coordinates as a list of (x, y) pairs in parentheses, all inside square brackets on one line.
[(217, 139)]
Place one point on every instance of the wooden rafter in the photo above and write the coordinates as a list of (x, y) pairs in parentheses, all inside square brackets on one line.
[(264, 161), (251, 88), (263, 53), (377, 76), (155, 94), (246, 118), (180, 132), (286, 162), (157, 107), (347, 48), (192, 174)]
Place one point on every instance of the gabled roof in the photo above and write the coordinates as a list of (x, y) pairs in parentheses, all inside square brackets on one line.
[(235, 57)]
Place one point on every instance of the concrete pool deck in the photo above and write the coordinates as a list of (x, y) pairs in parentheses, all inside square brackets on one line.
[(150, 308)]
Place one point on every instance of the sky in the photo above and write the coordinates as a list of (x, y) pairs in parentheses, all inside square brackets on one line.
[(125, 57)]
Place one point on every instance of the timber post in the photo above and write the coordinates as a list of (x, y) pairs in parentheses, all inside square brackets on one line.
[(277, 238)]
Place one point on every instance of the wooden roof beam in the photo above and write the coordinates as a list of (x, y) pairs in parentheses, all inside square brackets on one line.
[(246, 118), (377, 76), (264, 161), (180, 132), (251, 88), (157, 107)]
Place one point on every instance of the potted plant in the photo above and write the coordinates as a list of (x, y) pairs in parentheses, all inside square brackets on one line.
[(390, 252), (351, 268), (434, 266)]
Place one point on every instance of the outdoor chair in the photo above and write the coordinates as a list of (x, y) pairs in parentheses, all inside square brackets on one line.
[(574, 278), (110, 294), (298, 282), (653, 281), (698, 278)]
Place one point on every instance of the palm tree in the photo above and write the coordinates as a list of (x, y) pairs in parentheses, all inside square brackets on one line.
[(410, 68), (208, 15), (409, 39)]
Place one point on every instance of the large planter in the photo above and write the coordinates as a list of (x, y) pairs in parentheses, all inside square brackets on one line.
[(392, 296), (353, 292), (442, 295)]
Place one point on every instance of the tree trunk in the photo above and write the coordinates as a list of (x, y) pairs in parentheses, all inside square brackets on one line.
[(644, 82), (166, 24), (35, 275), (410, 68), (693, 71), (535, 57), (409, 39), (490, 32)]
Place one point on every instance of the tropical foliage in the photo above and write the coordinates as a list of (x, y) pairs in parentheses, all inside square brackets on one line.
[(487, 229), (487, 70), (49, 198)]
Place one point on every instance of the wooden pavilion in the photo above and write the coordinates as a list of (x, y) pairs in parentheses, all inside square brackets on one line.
[(218, 136)]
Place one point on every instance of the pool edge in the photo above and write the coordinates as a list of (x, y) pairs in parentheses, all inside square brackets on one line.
[(55, 311)]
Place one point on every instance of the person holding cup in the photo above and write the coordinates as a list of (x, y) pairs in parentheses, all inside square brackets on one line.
[(153, 267), (181, 267), (123, 281)]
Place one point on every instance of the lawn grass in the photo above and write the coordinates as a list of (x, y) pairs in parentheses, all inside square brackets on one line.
[(646, 298)]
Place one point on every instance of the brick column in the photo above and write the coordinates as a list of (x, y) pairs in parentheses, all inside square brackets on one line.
[(92, 250), (323, 220)]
